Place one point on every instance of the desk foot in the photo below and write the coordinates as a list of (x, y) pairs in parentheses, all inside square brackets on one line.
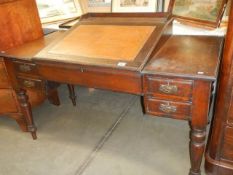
[(193, 173), (72, 93), (32, 129), (197, 146), (26, 111)]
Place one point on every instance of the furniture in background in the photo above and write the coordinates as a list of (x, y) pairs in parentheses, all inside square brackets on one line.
[(15, 33), (219, 153)]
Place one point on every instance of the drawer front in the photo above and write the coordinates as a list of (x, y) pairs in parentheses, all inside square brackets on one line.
[(164, 108), (163, 88), (227, 151), (4, 82), (25, 68), (29, 83), (8, 102)]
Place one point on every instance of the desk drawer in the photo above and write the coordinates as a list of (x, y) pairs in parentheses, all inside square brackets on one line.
[(25, 68), (7, 101), (4, 82), (163, 88), (164, 108), (29, 83)]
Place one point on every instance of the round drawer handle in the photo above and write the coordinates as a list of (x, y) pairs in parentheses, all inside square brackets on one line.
[(29, 84), (168, 89), (167, 108), (25, 68)]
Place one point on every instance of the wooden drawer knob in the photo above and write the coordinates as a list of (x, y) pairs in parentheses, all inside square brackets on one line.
[(168, 89), (167, 108)]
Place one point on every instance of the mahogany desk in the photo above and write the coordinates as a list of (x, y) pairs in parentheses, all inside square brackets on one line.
[(136, 54)]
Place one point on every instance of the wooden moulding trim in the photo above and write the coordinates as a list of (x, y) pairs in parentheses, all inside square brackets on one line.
[(100, 69), (126, 15), (219, 164)]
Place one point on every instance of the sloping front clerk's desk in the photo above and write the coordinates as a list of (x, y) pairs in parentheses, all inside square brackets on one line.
[(133, 54)]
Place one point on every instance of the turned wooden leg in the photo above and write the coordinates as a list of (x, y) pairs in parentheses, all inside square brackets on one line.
[(27, 112), (72, 94), (198, 123), (197, 147)]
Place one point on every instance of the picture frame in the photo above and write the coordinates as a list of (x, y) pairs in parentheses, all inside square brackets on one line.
[(134, 6), (99, 3), (205, 13), (96, 6), (51, 11)]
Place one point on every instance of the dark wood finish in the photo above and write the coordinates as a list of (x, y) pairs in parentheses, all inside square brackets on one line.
[(72, 93), (175, 69), (198, 123), (18, 23), (219, 153), (95, 77), (189, 64), (195, 57), (165, 108), (27, 112), (163, 88)]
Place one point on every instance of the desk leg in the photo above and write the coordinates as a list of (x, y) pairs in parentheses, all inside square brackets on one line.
[(198, 123), (72, 93), (27, 112), (197, 147)]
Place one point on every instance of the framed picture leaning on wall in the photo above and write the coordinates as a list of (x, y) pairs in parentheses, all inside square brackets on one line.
[(204, 12), (97, 5), (57, 10), (134, 5)]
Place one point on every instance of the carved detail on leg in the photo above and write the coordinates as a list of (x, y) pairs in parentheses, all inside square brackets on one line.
[(72, 93), (27, 112), (197, 147)]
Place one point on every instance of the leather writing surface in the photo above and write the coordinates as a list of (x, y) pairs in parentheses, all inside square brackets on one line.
[(115, 42)]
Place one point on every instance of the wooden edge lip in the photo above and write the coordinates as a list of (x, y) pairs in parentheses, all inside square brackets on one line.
[(211, 163), (89, 67), (126, 15), (184, 76)]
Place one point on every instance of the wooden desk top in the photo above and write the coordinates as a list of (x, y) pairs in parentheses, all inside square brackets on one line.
[(187, 56), (28, 50), (108, 41), (114, 42)]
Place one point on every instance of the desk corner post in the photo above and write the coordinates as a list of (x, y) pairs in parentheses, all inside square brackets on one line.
[(198, 123), (27, 111)]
